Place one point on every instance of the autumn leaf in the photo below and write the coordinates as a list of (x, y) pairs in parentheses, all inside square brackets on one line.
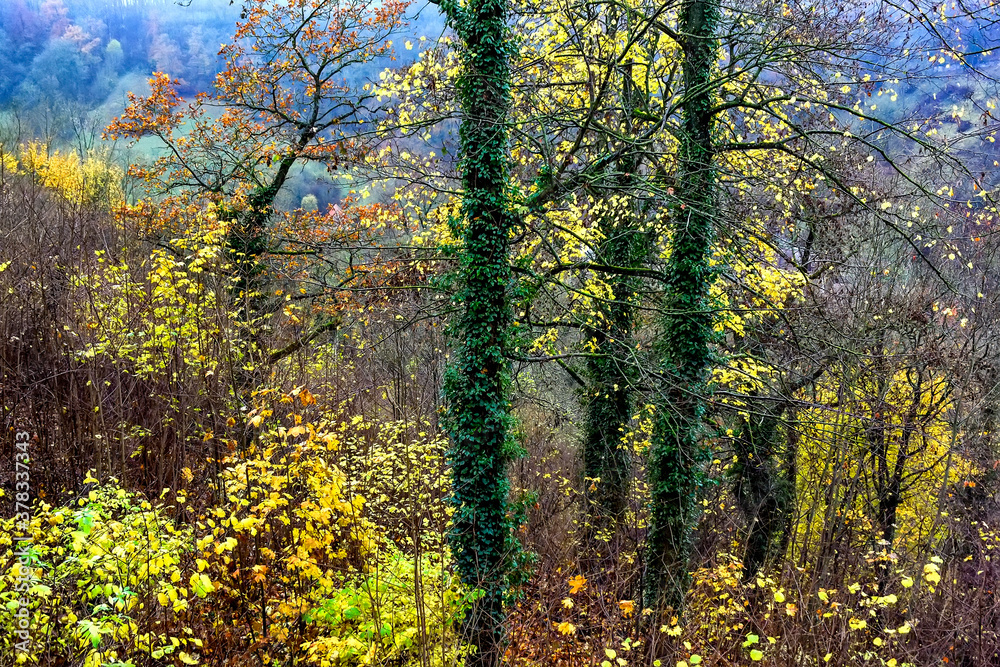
[(577, 584), (306, 398)]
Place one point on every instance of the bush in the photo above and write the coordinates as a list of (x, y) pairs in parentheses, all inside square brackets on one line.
[(286, 568), (97, 566)]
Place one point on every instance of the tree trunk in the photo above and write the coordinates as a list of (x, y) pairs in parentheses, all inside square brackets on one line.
[(477, 386), (677, 453), (247, 242), (608, 405), (763, 492), (607, 461)]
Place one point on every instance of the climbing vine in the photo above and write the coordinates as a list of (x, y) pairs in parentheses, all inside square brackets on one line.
[(478, 383)]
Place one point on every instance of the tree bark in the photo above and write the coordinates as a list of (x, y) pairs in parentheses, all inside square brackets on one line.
[(677, 454), (763, 492)]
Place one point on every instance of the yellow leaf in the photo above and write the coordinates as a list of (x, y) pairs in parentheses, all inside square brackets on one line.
[(577, 584), (566, 628), (187, 659)]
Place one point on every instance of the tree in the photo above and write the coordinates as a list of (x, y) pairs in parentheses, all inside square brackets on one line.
[(677, 450), (283, 98), (770, 106), (610, 378), (477, 386), (748, 150)]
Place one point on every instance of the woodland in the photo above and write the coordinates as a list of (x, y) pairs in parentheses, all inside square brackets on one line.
[(589, 333)]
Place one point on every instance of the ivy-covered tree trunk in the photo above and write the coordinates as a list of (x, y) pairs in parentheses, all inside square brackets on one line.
[(764, 492), (247, 243), (610, 374), (677, 454), (477, 385)]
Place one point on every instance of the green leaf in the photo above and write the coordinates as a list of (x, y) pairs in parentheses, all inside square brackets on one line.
[(92, 632), (85, 522), (201, 585)]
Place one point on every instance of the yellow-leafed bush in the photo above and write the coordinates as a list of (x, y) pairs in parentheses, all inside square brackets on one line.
[(97, 566), (906, 435), (92, 182), (294, 546), (168, 316), (287, 566), (390, 617)]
